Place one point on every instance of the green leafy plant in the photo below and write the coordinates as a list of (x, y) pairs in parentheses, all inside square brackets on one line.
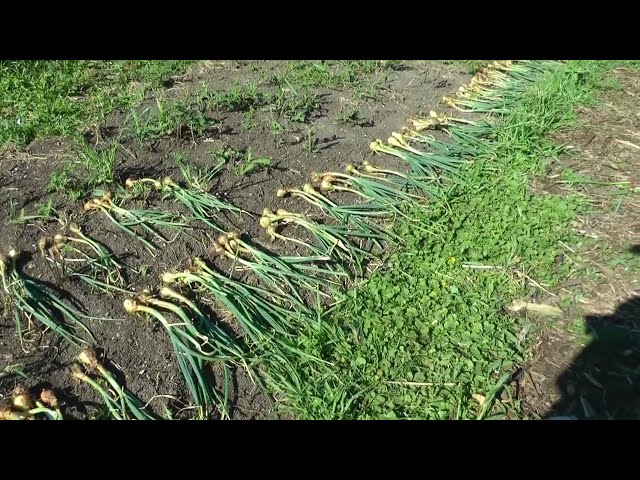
[(184, 117), (63, 97), (250, 164), (44, 212), (99, 164)]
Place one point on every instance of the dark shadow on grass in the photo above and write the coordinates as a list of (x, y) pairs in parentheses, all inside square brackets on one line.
[(603, 382)]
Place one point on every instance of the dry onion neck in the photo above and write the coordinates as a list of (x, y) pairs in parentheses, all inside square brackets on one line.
[(326, 185), (60, 239), (22, 399), (130, 305), (75, 229), (168, 182), (88, 357), (44, 244), (76, 372), (48, 397), (167, 292)]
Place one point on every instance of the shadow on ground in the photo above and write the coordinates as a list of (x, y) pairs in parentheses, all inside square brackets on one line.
[(603, 382)]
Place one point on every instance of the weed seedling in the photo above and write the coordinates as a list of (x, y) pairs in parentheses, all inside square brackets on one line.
[(251, 164), (311, 141), (44, 213)]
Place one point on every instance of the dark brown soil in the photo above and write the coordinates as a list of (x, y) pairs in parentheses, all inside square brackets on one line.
[(137, 349), (586, 365)]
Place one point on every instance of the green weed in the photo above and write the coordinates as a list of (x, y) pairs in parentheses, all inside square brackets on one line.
[(250, 164), (311, 141), (99, 169), (181, 118), (44, 212), (14, 369), (351, 116), (62, 97), (332, 74), (238, 98), (65, 182)]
